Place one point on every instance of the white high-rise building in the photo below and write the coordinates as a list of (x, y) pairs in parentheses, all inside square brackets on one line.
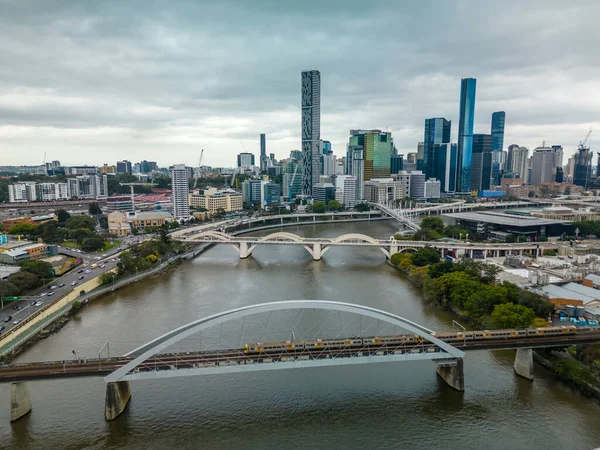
[(180, 190), (345, 190), (22, 192), (358, 171), (433, 188), (311, 129), (329, 164), (544, 163), (517, 160)]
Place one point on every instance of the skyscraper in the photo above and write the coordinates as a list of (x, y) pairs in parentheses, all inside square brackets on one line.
[(245, 160), (465, 132), (481, 162), (326, 146), (445, 156), (583, 166), (180, 190), (498, 120), (311, 129), (544, 162), (263, 153), (437, 131)]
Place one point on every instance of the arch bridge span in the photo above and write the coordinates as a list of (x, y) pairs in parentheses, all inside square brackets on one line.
[(317, 247)]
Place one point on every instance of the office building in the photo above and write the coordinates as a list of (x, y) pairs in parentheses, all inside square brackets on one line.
[(123, 223), (105, 169), (357, 170), (345, 190), (292, 178), (119, 203), (311, 129), (245, 160), (180, 190), (124, 166), (465, 133), (432, 188), (498, 165), (323, 192), (270, 194), (22, 192), (517, 161), (148, 166), (88, 187), (437, 131), (50, 192), (498, 121), (402, 180), (326, 147), (396, 164), (544, 162), (377, 148), (420, 156), (446, 161), (417, 184), (328, 164), (582, 166), (340, 166), (215, 200), (385, 190), (263, 153), (481, 162)]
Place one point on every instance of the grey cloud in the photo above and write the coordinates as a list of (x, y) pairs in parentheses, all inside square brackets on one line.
[(189, 75)]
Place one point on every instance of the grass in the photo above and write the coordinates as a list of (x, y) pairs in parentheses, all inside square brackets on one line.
[(70, 244), (108, 245)]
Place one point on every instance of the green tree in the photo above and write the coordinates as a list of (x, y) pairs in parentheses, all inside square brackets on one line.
[(23, 280), (23, 228), (163, 233), (531, 194), (455, 288), (62, 216), (161, 181), (425, 256), (426, 234), (94, 209), (440, 268), (9, 289), (334, 205), (433, 223), (81, 222), (509, 315), (92, 243), (319, 207), (363, 207), (41, 269), (51, 232)]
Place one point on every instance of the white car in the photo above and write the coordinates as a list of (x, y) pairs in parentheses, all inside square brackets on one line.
[(112, 259), (102, 266), (17, 322), (53, 287), (43, 294), (38, 303), (74, 283), (97, 257), (88, 271)]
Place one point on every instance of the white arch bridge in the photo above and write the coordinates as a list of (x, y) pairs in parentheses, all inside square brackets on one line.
[(317, 247)]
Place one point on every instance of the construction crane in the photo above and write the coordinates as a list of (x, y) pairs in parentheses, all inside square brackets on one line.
[(582, 144), (199, 168), (131, 185)]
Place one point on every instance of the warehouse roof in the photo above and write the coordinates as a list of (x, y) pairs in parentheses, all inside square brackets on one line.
[(552, 291), (580, 289), (593, 278)]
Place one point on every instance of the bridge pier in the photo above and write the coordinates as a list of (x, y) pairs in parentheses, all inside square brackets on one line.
[(20, 403), (244, 250), (524, 363), (453, 375), (317, 252), (118, 395)]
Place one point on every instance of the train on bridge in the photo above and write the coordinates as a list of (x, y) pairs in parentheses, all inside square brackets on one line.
[(386, 341)]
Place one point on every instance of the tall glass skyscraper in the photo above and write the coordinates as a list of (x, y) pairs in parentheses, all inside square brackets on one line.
[(481, 164), (498, 119), (468, 87), (263, 153), (437, 131), (445, 159), (311, 129)]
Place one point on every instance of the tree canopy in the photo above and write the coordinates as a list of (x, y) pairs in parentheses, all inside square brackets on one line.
[(509, 315), (319, 207), (425, 256), (26, 229)]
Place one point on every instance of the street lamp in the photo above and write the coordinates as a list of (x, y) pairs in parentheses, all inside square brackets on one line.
[(75, 354)]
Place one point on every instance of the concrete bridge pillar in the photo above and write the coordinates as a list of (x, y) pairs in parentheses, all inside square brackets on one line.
[(118, 395), (393, 249), (20, 403), (454, 376), (244, 250), (524, 363), (317, 252)]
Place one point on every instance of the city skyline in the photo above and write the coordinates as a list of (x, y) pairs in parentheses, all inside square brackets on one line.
[(164, 98)]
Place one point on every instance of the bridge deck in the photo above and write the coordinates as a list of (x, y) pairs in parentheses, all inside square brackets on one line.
[(237, 357)]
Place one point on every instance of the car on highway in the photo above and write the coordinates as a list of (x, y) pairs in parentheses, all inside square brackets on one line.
[(17, 307), (97, 257), (102, 266), (53, 287), (81, 277), (8, 319), (80, 271), (104, 256), (61, 285), (38, 303), (2, 327), (50, 293), (43, 294), (88, 271), (112, 259), (74, 283), (16, 321)]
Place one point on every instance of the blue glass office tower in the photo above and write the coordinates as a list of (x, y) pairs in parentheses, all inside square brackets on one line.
[(327, 148), (498, 119), (465, 133), (437, 131), (446, 166)]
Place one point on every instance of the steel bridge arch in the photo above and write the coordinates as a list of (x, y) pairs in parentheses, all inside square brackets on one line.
[(220, 236), (359, 237), (160, 343), (281, 235)]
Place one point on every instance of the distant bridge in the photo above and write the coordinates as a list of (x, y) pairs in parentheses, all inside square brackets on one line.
[(317, 247), (349, 334)]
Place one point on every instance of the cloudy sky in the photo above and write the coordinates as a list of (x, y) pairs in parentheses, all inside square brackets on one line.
[(94, 82)]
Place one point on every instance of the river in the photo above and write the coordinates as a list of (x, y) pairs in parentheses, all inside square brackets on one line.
[(391, 405)]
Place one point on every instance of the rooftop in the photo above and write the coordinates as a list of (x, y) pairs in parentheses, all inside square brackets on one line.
[(5, 271), (20, 250), (593, 278), (499, 218)]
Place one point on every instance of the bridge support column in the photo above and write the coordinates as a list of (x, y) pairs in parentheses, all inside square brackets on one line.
[(244, 250), (20, 403), (118, 395), (524, 363), (454, 376), (316, 252), (393, 250)]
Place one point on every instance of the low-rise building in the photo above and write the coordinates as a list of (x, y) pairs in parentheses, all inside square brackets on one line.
[(33, 220), (24, 253), (385, 190), (122, 224), (213, 200)]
